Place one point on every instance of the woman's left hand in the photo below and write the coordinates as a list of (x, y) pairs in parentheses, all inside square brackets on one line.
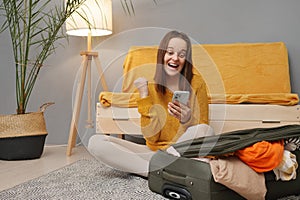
[(180, 111)]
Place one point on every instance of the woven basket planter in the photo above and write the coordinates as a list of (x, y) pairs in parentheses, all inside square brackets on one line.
[(22, 136)]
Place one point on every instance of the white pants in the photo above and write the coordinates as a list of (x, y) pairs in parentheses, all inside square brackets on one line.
[(131, 157)]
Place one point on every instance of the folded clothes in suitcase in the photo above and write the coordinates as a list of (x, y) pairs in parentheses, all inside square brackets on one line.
[(186, 178)]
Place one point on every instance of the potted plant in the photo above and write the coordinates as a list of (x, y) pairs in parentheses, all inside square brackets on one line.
[(34, 27)]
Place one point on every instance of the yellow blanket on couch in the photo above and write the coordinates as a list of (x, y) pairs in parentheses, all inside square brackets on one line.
[(124, 99), (235, 73)]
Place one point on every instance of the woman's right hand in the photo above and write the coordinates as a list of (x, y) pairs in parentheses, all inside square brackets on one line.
[(142, 86), (180, 111)]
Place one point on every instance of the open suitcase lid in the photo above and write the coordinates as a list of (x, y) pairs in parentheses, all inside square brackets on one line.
[(230, 142)]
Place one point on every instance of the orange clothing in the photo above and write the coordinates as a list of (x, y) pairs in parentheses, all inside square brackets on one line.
[(159, 128), (262, 156)]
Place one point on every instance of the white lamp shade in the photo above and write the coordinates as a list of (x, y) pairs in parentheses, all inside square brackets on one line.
[(94, 17)]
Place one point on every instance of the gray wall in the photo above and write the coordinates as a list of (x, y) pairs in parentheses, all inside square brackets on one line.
[(205, 21)]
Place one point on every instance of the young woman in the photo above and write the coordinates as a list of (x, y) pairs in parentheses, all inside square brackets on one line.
[(163, 121)]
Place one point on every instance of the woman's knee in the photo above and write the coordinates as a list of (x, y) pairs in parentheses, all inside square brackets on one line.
[(201, 130), (95, 142)]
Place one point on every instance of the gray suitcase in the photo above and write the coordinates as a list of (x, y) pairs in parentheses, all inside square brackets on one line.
[(185, 178)]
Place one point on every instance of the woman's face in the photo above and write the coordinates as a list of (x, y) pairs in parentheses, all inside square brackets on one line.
[(175, 56)]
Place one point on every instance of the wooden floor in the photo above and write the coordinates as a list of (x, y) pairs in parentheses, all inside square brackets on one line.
[(54, 157)]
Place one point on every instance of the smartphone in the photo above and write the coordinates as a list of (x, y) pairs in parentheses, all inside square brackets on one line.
[(181, 96)]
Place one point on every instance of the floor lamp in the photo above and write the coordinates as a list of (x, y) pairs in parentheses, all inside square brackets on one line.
[(93, 18)]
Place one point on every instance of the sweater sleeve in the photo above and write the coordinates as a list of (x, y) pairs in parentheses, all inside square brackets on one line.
[(153, 118)]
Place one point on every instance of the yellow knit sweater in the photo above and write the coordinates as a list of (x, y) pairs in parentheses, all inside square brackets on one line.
[(159, 128)]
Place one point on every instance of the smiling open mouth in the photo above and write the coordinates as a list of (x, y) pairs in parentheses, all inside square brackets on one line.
[(173, 65)]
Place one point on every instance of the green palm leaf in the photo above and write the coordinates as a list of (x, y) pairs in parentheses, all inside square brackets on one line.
[(34, 28)]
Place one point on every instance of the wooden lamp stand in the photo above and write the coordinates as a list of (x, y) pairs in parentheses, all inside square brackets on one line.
[(88, 56)]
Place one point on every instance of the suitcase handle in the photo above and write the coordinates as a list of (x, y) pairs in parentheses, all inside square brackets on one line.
[(174, 178)]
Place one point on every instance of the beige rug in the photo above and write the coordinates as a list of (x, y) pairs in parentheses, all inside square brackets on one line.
[(84, 179)]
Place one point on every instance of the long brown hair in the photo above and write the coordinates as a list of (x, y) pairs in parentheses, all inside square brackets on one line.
[(186, 72)]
